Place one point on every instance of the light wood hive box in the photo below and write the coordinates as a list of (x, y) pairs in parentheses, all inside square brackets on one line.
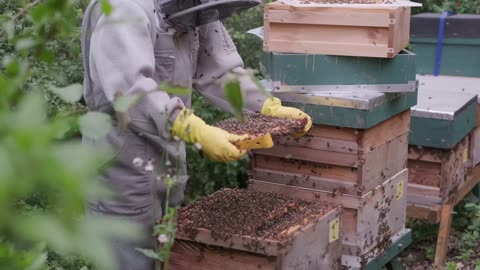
[(339, 160), (315, 246), (369, 221), (290, 26), (437, 174)]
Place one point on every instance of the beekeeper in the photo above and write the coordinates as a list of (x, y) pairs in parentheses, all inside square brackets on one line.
[(140, 45)]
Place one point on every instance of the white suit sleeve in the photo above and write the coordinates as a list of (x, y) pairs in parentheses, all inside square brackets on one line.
[(122, 58), (217, 57)]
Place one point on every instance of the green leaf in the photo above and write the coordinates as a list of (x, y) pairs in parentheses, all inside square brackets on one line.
[(12, 66), (31, 113), (25, 43), (123, 103), (174, 90), (149, 253), (38, 262), (6, 168), (95, 125), (71, 93), (41, 227), (233, 94), (86, 158), (47, 56), (9, 29), (106, 7), (84, 268)]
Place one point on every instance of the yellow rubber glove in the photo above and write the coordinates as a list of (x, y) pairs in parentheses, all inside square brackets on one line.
[(216, 143), (273, 107)]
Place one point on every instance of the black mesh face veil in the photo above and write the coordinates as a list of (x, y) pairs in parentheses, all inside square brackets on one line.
[(188, 14)]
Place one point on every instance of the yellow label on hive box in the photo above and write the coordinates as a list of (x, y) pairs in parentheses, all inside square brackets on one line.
[(334, 230), (400, 188)]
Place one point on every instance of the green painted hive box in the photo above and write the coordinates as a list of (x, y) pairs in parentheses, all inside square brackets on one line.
[(310, 73), (441, 119), (360, 110), (461, 85), (460, 45)]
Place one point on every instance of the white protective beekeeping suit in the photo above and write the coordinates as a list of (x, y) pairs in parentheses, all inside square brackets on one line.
[(131, 50)]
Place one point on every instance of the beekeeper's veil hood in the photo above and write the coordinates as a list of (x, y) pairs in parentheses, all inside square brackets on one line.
[(187, 14)]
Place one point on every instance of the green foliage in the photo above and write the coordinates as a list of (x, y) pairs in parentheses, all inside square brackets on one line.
[(467, 221), (451, 266), (249, 46), (45, 179), (106, 7), (233, 94), (207, 176)]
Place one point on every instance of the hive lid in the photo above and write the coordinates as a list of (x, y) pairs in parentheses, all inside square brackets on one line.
[(425, 25), (450, 83), (443, 105)]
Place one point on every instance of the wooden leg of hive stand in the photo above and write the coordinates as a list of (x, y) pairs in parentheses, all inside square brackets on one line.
[(443, 235)]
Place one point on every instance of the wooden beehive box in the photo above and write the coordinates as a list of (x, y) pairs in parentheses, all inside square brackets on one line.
[(340, 160), (370, 220), (460, 54), (475, 142), (461, 85), (436, 174), (317, 73), (308, 244), (439, 142), (345, 29)]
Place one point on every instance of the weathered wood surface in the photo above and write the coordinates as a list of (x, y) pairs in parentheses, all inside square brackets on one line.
[(475, 141), (314, 246), (443, 213), (187, 255), (436, 175), (369, 220), (336, 31), (432, 213), (341, 160), (443, 235)]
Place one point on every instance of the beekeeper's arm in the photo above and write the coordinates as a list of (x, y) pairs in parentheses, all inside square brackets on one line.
[(122, 55)]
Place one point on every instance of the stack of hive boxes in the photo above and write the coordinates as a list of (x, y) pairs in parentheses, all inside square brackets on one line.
[(439, 156), (445, 138), (347, 68)]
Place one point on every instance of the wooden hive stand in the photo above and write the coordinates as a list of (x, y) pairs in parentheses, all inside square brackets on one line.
[(442, 214), (440, 157)]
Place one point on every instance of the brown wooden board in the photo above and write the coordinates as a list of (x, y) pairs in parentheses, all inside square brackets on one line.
[(340, 160), (345, 31), (432, 213), (437, 174), (475, 141), (369, 220), (314, 246)]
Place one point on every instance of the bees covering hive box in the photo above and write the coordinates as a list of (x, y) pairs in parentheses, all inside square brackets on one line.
[(334, 159), (369, 221), (245, 229)]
